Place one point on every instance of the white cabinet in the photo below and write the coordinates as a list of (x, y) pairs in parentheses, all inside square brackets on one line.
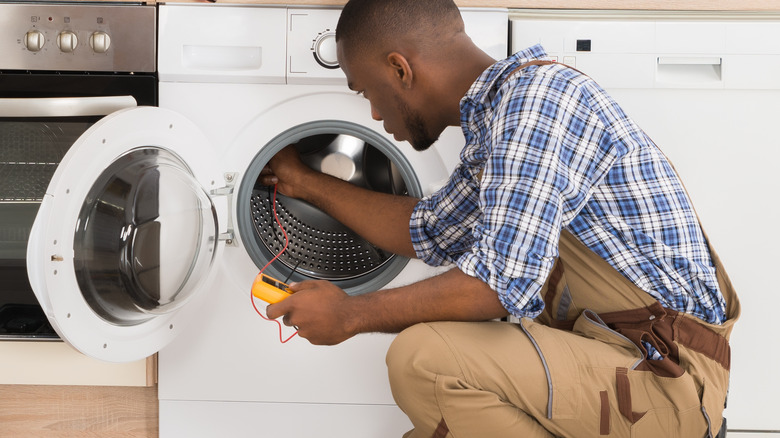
[(705, 88), (56, 363)]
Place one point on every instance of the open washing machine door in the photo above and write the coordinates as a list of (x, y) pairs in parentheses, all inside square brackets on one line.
[(125, 240)]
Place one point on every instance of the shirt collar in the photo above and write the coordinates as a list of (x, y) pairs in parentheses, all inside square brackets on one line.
[(494, 75)]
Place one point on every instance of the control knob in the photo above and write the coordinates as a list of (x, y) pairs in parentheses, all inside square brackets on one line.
[(100, 42), (34, 40), (324, 49), (67, 41)]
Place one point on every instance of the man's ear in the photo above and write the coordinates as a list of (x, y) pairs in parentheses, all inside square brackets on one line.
[(401, 67)]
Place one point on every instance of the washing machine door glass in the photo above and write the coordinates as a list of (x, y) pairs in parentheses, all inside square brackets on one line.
[(126, 236), (144, 237)]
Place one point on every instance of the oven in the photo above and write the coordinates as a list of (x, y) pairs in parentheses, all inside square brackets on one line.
[(64, 67)]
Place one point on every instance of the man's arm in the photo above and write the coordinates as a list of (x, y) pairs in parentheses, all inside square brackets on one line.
[(326, 315), (380, 218)]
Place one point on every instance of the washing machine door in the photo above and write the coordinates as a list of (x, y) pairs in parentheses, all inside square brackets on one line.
[(124, 244)]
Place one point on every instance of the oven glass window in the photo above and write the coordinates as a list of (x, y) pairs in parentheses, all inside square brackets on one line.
[(30, 150), (145, 237), (30, 153)]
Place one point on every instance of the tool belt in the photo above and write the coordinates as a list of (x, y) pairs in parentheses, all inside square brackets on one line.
[(663, 329)]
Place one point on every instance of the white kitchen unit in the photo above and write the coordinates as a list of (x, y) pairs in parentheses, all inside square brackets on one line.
[(706, 88), (154, 225)]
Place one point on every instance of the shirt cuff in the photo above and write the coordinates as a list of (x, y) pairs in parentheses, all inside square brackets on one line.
[(519, 296)]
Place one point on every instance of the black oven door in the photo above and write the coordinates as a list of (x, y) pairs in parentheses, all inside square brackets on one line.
[(126, 239), (35, 134), (41, 115)]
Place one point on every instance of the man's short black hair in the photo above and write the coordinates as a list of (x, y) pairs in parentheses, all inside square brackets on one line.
[(373, 24)]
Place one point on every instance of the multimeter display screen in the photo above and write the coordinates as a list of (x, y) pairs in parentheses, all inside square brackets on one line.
[(274, 283)]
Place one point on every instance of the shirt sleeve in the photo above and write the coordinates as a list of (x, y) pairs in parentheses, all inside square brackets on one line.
[(441, 223)]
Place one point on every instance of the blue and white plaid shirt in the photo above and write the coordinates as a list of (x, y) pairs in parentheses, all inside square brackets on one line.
[(555, 152)]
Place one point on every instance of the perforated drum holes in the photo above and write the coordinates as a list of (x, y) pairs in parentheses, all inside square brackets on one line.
[(325, 248)]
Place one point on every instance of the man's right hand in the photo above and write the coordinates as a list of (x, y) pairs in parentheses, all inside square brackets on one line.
[(286, 170)]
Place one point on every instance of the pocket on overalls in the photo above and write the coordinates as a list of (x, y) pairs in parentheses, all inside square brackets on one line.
[(669, 406), (589, 324), (565, 353), (648, 404)]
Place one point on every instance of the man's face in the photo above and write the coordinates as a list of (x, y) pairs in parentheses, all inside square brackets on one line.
[(415, 126), (385, 95)]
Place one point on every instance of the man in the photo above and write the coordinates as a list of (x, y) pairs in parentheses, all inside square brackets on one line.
[(562, 212)]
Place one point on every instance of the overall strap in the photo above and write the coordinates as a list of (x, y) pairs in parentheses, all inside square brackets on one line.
[(530, 63)]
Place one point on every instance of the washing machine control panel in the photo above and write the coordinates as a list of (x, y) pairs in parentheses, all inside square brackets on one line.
[(311, 46), (78, 37)]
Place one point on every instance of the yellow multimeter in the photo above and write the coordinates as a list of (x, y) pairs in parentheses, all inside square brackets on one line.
[(270, 289)]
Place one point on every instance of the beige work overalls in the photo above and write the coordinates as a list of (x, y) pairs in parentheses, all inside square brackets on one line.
[(578, 370)]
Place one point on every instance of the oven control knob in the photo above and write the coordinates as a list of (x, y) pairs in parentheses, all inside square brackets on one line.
[(67, 41), (324, 49), (100, 42), (34, 40)]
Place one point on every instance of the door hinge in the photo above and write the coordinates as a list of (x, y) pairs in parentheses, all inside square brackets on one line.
[(230, 181)]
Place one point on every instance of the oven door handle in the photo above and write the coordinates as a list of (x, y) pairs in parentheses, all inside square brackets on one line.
[(64, 106)]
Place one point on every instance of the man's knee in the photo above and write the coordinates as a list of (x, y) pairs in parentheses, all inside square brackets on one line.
[(418, 354)]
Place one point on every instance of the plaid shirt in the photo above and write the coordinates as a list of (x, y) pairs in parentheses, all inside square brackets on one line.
[(556, 152)]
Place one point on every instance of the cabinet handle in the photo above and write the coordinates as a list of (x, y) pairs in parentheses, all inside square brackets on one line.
[(64, 106), (690, 60)]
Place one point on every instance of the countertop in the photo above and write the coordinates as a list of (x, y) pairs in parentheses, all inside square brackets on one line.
[(670, 5), (654, 5)]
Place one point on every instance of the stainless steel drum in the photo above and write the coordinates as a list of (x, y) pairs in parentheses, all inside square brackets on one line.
[(319, 246)]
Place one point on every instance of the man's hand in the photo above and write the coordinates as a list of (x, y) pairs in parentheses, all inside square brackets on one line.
[(286, 170), (317, 309)]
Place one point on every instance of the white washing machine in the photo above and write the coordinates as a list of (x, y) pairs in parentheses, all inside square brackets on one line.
[(171, 226)]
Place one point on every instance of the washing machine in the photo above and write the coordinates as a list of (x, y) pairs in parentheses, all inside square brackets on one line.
[(155, 225)]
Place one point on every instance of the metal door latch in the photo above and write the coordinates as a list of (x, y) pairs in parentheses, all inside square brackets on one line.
[(230, 181)]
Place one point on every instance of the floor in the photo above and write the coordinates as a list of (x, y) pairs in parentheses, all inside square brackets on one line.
[(78, 411)]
